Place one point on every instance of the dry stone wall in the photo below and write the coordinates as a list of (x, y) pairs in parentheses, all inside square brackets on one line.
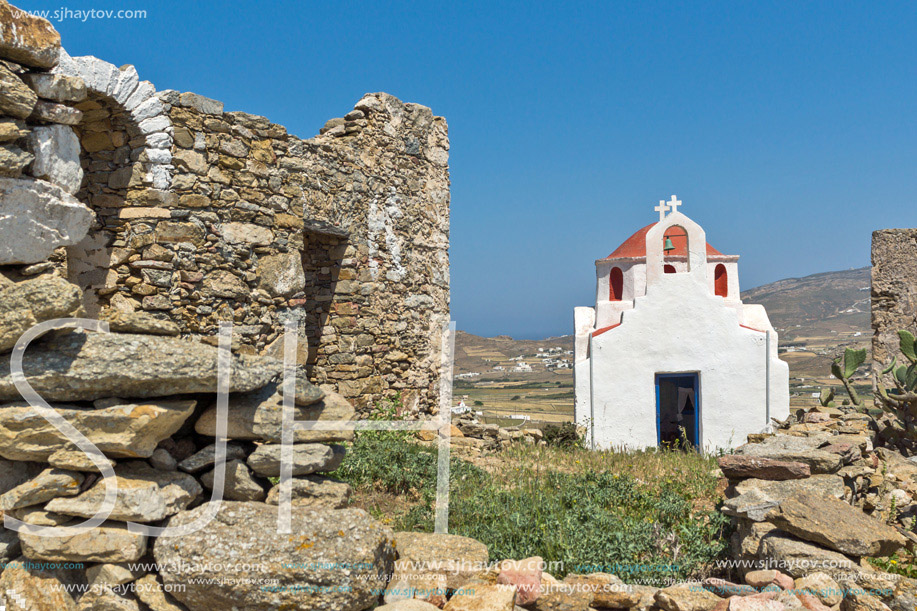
[(894, 290), (201, 216)]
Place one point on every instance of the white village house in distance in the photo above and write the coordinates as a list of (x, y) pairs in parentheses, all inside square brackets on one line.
[(669, 352)]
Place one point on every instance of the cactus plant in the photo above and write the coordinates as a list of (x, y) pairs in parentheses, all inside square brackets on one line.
[(843, 369), (904, 396)]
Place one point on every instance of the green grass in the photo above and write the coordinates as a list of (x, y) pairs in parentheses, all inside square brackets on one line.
[(644, 516)]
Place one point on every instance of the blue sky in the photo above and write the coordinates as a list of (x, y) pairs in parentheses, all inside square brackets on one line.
[(787, 129)]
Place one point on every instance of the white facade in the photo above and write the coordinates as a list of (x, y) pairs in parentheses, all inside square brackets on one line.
[(670, 346)]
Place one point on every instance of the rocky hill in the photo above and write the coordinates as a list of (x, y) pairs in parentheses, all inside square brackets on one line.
[(830, 302)]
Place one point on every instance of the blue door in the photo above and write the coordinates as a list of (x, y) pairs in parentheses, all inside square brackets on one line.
[(678, 409)]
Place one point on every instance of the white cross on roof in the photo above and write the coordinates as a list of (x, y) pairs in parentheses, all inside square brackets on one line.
[(674, 203), (661, 209)]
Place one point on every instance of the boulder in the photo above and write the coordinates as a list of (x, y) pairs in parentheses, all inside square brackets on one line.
[(152, 593), (125, 431), (799, 558), (726, 589), (25, 586), (428, 564), (343, 548), (35, 218), (836, 525), (27, 39), (111, 543), (258, 415), (86, 366), (812, 603), (239, 483), (525, 576), (608, 591), (754, 603), (307, 458), (312, 491), (790, 448), (57, 156), (767, 577), (739, 466), (25, 304), (822, 587), (858, 600), (16, 99), (483, 598), (47, 485), (106, 600), (686, 598), (145, 494)]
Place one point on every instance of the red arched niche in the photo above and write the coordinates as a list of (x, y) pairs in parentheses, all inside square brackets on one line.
[(668, 269), (720, 281), (616, 284)]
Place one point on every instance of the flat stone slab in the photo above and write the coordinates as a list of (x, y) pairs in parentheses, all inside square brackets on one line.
[(111, 543), (829, 485), (45, 486), (799, 558), (145, 494), (123, 431), (836, 525), (739, 466), (258, 415), (86, 366), (314, 491), (307, 458), (789, 448)]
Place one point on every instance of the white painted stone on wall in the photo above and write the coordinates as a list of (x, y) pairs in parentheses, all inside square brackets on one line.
[(57, 156), (36, 217), (139, 99)]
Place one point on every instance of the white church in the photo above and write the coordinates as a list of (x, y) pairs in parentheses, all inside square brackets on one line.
[(670, 354)]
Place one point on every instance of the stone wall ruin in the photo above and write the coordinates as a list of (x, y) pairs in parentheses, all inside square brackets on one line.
[(204, 216)]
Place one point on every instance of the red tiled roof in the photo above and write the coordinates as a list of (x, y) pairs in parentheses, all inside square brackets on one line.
[(635, 245)]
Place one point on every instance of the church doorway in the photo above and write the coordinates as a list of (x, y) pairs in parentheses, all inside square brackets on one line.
[(677, 410)]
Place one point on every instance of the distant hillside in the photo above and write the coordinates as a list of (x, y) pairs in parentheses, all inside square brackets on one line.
[(475, 353), (816, 305)]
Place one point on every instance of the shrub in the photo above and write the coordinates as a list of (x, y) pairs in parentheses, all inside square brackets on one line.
[(561, 435), (643, 516)]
